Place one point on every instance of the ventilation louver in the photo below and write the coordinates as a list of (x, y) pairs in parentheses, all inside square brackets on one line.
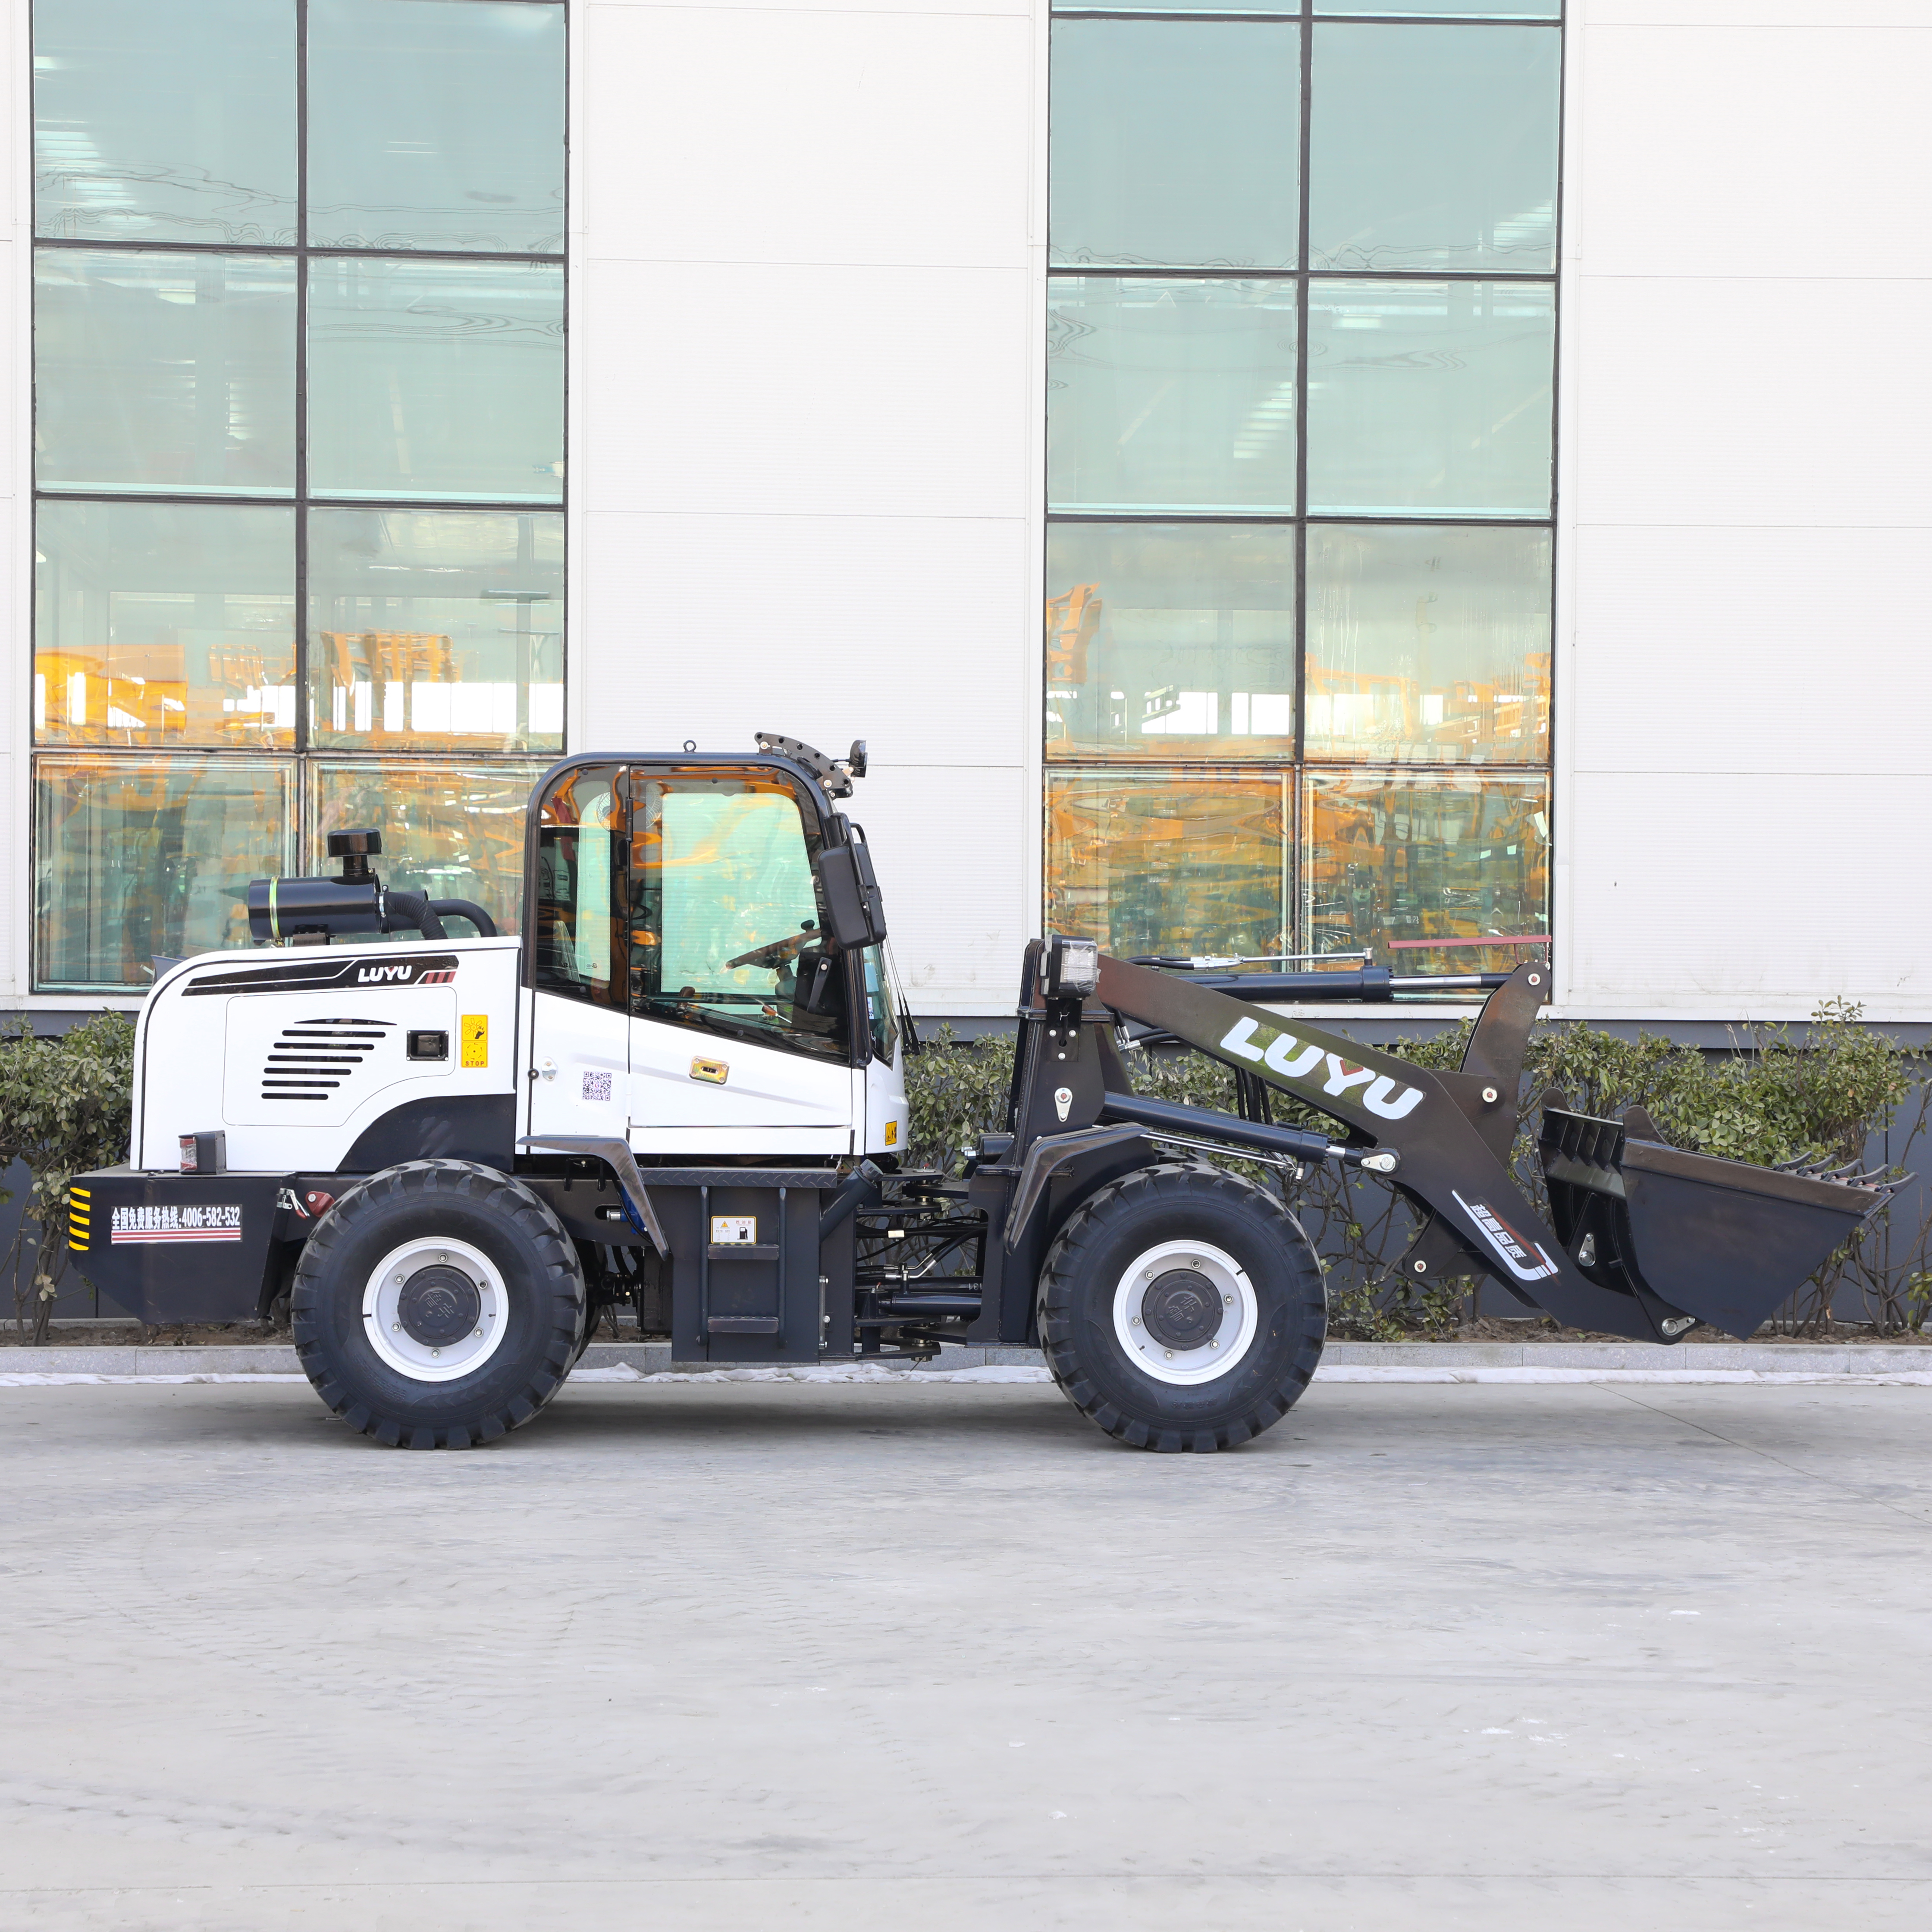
[(312, 1058)]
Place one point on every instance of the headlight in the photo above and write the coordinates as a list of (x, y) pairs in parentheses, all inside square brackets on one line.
[(1072, 968)]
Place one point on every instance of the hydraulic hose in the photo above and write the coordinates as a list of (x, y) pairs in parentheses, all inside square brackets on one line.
[(411, 912), (486, 926)]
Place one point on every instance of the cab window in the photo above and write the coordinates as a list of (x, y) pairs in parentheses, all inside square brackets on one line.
[(881, 1021), (580, 949), (726, 929)]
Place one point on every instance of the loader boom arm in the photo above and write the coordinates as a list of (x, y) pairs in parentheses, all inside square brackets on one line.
[(1451, 1132), (1644, 1239)]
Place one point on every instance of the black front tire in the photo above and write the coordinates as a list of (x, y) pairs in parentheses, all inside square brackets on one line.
[(539, 1284), (1123, 1254)]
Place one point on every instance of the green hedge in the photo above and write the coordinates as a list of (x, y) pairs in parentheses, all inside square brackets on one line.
[(66, 1103), (1774, 1096)]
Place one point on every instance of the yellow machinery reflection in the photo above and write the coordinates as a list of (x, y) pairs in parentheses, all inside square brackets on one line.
[(142, 695), (1166, 862), (456, 830), (1403, 864), (1393, 716)]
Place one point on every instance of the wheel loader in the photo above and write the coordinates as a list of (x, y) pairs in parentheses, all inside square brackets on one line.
[(680, 1087)]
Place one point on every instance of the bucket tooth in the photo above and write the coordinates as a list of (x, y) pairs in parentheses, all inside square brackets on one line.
[(1718, 1239)]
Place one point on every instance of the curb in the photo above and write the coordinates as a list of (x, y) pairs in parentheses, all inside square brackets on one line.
[(653, 1358)]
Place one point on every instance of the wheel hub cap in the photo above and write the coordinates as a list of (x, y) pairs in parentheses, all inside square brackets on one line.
[(1185, 1311), (1182, 1310), (438, 1306), (435, 1309)]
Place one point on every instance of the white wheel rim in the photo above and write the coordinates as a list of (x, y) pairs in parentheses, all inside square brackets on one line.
[(1241, 1313), (411, 1333)]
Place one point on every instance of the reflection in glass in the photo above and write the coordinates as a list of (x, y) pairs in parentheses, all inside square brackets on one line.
[(435, 630), (1176, 143), (163, 624), (164, 372), (1448, 10), (1434, 148), (1428, 644), (436, 379), (453, 831), (434, 126), (1430, 398), (137, 856), (1527, 9), (1170, 640), (1405, 864), (164, 123), (1167, 863), (1170, 394)]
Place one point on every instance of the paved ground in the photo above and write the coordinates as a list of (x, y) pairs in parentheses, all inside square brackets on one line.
[(685, 1655)]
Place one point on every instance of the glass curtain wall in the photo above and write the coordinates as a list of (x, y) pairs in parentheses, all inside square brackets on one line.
[(298, 451), (1300, 475)]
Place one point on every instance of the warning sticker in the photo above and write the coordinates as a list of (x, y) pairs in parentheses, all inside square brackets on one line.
[(476, 1039)]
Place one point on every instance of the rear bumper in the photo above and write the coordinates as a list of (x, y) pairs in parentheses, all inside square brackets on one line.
[(168, 1247)]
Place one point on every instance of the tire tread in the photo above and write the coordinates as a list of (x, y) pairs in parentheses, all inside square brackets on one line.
[(1072, 1252), (516, 1203)]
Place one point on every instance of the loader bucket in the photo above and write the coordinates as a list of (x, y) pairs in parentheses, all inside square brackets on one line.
[(1720, 1239)]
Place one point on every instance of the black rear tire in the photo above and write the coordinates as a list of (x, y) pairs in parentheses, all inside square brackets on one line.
[(487, 1269), (1181, 1308)]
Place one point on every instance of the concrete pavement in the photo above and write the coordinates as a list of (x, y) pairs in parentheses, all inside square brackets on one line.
[(690, 1654)]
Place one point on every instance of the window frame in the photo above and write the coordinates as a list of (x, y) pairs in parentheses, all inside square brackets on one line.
[(1295, 765), (299, 254)]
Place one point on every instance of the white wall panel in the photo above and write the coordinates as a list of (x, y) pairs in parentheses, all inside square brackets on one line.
[(16, 572), (1752, 13), (949, 844), (805, 321), (1704, 153), (14, 260), (733, 135), (1728, 650), (1751, 896), (913, 635), (1746, 509), (830, 391), (1752, 401)]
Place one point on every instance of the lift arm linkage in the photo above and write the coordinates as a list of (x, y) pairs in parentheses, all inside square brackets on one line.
[(1720, 1234)]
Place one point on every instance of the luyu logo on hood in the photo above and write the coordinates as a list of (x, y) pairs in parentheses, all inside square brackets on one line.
[(1287, 1056)]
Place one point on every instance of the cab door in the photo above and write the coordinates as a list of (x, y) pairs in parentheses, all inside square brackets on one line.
[(579, 1067), (741, 1035)]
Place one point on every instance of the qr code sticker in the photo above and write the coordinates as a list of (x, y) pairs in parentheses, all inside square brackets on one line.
[(597, 1086)]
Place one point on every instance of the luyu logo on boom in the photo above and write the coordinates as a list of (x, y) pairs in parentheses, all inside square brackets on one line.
[(1286, 1055), (385, 976)]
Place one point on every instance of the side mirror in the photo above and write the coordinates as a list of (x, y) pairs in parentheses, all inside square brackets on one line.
[(854, 911)]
